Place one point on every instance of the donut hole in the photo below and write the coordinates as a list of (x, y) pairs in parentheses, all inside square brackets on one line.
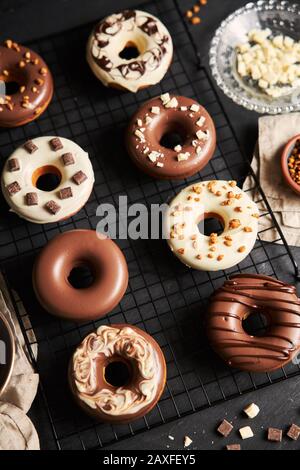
[(81, 276), (11, 88), (118, 373), (129, 51), (256, 323), (46, 178), (174, 134), (211, 223)]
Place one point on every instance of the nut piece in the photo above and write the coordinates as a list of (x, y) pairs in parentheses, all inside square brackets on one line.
[(252, 410), (225, 428), (294, 432), (234, 223), (274, 435), (233, 447), (246, 432), (187, 441)]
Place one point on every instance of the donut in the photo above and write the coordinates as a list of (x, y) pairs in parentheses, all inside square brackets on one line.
[(167, 115), (117, 374), (27, 85), (7, 352), (68, 163), (136, 29), (74, 249), (241, 296), (222, 200)]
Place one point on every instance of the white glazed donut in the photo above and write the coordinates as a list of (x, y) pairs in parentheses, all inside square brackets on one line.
[(54, 155), (130, 28), (220, 199)]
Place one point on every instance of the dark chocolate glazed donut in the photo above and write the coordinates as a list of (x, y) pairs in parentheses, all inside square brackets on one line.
[(137, 392), (71, 250), (164, 115), (32, 81), (242, 295)]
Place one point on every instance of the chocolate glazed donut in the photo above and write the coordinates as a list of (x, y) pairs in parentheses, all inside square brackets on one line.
[(71, 250), (169, 114), (242, 295), (31, 79)]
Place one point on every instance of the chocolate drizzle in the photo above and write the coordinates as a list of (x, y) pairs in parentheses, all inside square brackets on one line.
[(235, 301)]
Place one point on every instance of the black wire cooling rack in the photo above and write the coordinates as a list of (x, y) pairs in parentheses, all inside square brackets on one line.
[(164, 297)]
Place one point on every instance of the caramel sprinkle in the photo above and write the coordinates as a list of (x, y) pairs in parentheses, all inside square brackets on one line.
[(241, 249), (248, 229)]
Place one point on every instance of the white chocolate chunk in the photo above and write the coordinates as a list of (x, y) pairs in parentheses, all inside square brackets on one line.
[(198, 150), (246, 432), (195, 108), (252, 410), (148, 119), (202, 135), (140, 135), (178, 148), (187, 441), (183, 156), (165, 98), (183, 108), (155, 110), (201, 121), (139, 122), (173, 103), (159, 164)]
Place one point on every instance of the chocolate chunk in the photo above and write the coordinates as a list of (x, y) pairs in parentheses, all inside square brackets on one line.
[(294, 432), (56, 144), (13, 188), (52, 207), (68, 159), (13, 164), (274, 435), (31, 199), (233, 447), (65, 193), (225, 428), (30, 146), (79, 177)]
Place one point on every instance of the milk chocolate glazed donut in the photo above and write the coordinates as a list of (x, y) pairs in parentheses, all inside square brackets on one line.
[(30, 74), (71, 250), (242, 295)]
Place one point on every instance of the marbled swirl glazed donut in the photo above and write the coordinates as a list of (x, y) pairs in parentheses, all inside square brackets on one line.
[(130, 28), (241, 296), (142, 357), (33, 81)]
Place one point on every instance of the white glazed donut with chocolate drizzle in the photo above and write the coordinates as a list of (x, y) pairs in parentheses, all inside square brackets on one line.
[(47, 156), (130, 28), (222, 200), (146, 370)]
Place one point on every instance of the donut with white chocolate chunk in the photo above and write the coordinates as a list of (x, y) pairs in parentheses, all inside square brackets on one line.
[(177, 116)]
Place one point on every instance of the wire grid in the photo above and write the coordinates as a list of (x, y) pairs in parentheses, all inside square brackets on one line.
[(164, 297)]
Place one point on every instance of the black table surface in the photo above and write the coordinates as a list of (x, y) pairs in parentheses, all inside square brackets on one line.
[(24, 20)]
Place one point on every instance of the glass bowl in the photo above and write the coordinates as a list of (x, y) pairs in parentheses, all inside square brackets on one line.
[(281, 17)]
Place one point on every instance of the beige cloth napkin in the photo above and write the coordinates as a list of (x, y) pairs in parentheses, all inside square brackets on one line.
[(274, 132), (16, 430)]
